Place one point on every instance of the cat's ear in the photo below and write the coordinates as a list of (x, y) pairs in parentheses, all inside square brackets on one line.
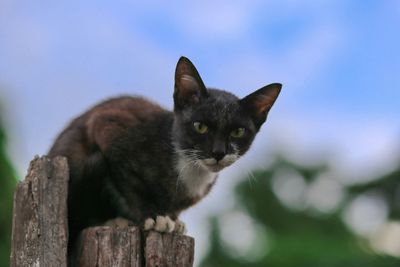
[(260, 102), (189, 88)]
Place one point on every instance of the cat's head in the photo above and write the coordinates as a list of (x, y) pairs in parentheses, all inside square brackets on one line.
[(213, 128)]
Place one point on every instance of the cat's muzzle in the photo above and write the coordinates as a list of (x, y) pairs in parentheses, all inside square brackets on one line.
[(215, 166)]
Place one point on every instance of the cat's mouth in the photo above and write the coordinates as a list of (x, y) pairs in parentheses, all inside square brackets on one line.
[(215, 166)]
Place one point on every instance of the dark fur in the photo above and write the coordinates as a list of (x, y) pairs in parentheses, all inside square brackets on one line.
[(122, 152)]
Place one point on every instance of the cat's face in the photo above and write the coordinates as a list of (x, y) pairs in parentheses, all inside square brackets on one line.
[(215, 132), (213, 128)]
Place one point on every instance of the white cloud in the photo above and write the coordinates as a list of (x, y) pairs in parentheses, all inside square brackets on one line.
[(211, 21), (290, 188), (366, 214), (296, 66), (357, 150), (386, 239), (325, 193), (242, 237)]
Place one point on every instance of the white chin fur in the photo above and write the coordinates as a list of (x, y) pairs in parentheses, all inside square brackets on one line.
[(195, 176), (215, 166)]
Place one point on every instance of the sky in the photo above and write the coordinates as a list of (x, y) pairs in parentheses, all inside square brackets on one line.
[(338, 61)]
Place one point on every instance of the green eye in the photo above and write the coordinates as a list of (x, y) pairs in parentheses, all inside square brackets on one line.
[(201, 128), (239, 132)]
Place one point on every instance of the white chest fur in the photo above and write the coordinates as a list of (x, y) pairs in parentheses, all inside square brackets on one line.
[(194, 177)]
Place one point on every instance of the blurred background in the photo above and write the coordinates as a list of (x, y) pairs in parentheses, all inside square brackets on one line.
[(320, 185)]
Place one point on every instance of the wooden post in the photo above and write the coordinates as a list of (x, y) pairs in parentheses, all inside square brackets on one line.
[(107, 246), (170, 250), (40, 230)]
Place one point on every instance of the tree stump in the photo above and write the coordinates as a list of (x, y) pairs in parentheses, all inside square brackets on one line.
[(107, 246), (170, 250), (40, 229)]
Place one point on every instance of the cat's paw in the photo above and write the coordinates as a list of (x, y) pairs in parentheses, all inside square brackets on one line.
[(162, 224), (180, 227), (149, 224), (119, 222)]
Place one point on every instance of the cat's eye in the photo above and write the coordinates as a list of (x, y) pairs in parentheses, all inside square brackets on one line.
[(200, 127), (238, 133)]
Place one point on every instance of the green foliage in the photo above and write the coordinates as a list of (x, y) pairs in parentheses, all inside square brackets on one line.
[(298, 236), (7, 185)]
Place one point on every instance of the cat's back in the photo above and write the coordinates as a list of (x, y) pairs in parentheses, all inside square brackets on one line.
[(129, 107), (102, 124)]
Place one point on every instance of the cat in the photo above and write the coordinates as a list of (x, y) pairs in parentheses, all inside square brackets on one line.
[(130, 158)]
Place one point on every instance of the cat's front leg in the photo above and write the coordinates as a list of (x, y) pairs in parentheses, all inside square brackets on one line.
[(165, 224)]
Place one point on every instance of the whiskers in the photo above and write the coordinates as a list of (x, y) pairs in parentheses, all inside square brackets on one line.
[(249, 173), (187, 161), (250, 177), (192, 175)]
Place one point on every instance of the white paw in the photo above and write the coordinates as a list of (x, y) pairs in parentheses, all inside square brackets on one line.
[(149, 224), (180, 227), (164, 224), (118, 222)]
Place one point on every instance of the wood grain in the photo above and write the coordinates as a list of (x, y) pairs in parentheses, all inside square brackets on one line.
[(107, 246), (169, 250), (40, 231)]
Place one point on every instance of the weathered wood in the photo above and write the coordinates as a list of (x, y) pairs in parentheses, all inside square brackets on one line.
[(40, 231), (169, 250), (108, 246)]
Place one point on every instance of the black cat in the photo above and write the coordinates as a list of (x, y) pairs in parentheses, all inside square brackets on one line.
[(130, 158)]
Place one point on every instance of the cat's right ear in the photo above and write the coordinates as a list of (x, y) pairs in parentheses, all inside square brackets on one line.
[(189, 88), (260, 102)]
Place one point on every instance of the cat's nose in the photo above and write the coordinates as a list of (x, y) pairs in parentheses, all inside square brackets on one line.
[(218, 150), (218, 155)]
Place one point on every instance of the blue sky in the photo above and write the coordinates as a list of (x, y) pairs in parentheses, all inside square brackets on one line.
[(339, 62)]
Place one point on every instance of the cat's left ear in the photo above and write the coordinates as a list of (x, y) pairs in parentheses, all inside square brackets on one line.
[(189, 88), (260, 102)]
